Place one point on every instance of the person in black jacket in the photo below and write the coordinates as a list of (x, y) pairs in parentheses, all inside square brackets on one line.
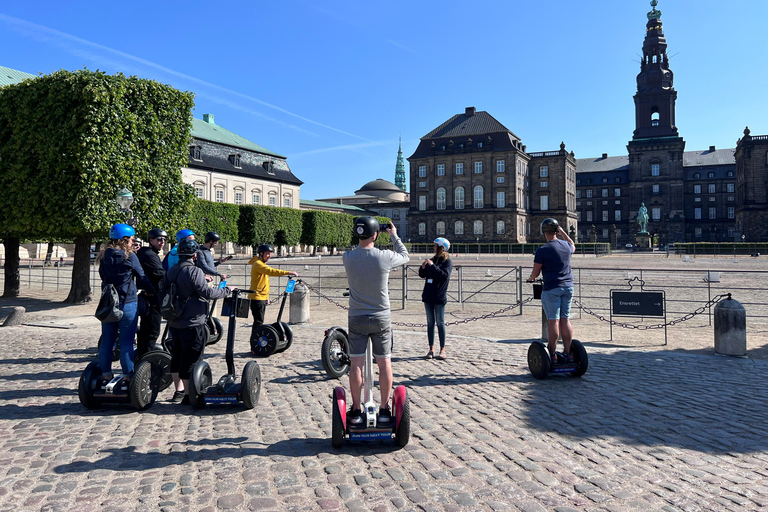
[(188, 330), (118, 266), (149, 311), (437, 272)]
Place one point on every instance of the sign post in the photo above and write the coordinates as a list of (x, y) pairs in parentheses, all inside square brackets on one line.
[(638, 303)]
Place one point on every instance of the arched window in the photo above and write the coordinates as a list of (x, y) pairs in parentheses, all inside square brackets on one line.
[(440, 228), (458, 228), (500, 227), (422, 228), (655, 118), (272, 199), (239, 195), (441, 198), (479, 196), (256, 196), (478, 227), (458, 198)]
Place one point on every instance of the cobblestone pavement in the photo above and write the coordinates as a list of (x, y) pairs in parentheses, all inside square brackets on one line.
[(642, 430)]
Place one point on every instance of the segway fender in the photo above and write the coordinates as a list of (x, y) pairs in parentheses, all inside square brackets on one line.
[(197, 377), (399, 399), (287, 332), (340, 395), (340, 329)]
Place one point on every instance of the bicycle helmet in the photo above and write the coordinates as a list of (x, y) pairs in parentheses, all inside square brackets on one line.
[(119, 231), (157, 233), (442, 242), (365, 227), (549, 225), (184, 233), (212, 236), (265, 248), (186, 247)]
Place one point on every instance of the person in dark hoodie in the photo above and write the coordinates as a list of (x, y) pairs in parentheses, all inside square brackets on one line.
[(437, 272), (188, 330), (118, 266), (151, 320)]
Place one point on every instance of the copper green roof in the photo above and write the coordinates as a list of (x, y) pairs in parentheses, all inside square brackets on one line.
[(215, 133), (338, 206), (10, 76)]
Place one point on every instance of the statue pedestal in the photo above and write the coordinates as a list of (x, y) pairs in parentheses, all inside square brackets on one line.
[(643, 242)]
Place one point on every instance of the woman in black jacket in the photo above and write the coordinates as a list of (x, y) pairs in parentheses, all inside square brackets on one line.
[(437, 272)]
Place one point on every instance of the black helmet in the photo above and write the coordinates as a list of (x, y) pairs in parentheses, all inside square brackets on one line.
[(212, 236), (550, 225), (365, 227), (186, 247), (157, 233), (265, 248)]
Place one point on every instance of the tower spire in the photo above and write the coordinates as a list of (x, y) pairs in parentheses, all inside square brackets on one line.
[(400, 166)]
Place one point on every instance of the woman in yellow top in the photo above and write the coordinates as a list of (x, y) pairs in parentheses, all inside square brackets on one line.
[(260, 273)]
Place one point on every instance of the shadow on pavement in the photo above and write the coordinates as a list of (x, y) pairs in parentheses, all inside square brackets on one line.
[(31, 305)]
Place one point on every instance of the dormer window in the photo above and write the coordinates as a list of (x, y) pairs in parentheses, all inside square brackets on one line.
[(234, 159), (195, 152), (269, 167)]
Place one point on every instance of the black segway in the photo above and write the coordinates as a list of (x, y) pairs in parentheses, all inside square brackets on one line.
[(276, 337), (213, 324), (334, 353), (227, 390)]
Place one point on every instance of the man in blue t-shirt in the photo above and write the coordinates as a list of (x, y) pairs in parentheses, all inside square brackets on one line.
[(553, 262)]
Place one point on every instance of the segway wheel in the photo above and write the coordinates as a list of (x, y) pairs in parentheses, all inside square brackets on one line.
[(143, 388), (337, 425), (288, 336), (335, 354), (539, 361), (265, 342), (580, 357), (251, 384), (402, 410), (86, 385), (197, 399), (215, 331), (161, 368)]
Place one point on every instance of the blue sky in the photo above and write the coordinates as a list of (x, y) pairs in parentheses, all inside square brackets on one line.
[(331, 85)]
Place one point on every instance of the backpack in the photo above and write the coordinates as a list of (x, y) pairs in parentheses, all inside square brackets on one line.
[(108, 309), (171, 308)]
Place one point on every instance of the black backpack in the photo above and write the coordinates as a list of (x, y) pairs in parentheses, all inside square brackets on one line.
[(171, 307)]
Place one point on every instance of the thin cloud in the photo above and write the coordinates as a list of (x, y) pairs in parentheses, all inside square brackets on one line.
[(402, 47), (48, 34), (345, 147)]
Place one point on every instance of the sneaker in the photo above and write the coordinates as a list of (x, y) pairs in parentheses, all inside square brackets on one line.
[(569, 357), (556, 358), (430, 355), (355, 417), (385, 415), (178, 397)]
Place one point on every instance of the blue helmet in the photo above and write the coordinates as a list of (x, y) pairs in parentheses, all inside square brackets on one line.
[(119, 231), (443, 242), (184, 233)]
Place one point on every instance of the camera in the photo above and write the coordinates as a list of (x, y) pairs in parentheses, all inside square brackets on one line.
[(384, 227)]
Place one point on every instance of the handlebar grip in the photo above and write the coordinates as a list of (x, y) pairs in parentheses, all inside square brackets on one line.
[(345, 294), (247, 291)]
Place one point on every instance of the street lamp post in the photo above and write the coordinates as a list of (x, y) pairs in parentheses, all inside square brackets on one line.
[(125, 200), (477, 239)]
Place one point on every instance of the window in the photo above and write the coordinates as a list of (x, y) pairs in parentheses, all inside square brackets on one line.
[(656, 213), (422, 228), (478, 167), (287, 201), (589, 216), (589, 193), (269, 166), (697, 189), (234, 159), (730, 232), (459, 168), (238, 198), (500, 200), (655, 190), (618, 201), (605, 232), (422, 171), (712, 199), (605, 192), (697, 232), (422, 184), (697, 213), (730, 174), (617, 215), (458, 228), (422, 203), (712, 212), (478, 197), (730, 187), (478, 227), (199, 192), (458, 198), (499, 179), (544, 184), (605, 215), (395, 214), (711, 175), (578, 194), (194, 152), (500, 227), (441, 198), (440, 228), (731, 198), (256, 198), (731, 212), (543, 171), (617, 192), (480, 144), (219, 195), (654, 169), (697, 199), (500, 166), (578, 215), (272, 199), (696, 175), (544, 201), (711, 188), (441, 169)]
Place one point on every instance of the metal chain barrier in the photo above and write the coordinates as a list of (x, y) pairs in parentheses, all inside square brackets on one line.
[(683, 318)]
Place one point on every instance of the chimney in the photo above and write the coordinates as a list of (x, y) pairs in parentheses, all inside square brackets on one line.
[(711, 148), (605, 155), (208, 118), (470, 111)]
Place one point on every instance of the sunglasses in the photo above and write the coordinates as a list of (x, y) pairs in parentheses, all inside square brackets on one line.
[(161, 239)]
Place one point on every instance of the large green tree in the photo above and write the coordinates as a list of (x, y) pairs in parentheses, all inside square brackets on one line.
[(69, 141)]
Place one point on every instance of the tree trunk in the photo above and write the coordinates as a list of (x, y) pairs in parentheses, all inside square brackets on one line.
[(48, 254), (81, 275), (12, 277)]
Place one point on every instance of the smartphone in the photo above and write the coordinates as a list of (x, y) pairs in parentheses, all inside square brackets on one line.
[(222, 285)]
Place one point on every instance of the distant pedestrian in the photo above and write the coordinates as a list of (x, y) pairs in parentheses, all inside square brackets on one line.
[(437, 273)]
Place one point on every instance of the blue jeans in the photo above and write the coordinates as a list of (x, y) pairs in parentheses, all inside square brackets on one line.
[(435, 315), (127, 326), (557, 302)]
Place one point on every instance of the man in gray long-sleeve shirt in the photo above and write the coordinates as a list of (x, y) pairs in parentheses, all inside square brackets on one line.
[(369, 316), (205, 258)]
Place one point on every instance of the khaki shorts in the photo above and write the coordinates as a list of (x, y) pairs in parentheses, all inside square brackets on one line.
[(378, 329)]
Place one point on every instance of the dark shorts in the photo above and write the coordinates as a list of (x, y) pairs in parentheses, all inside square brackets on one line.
[(379, 330), (188, 347)]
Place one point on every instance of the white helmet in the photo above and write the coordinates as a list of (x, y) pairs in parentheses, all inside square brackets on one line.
[(443, 242)]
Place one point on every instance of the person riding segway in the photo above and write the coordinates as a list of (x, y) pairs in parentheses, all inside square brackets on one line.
[(149, 306)]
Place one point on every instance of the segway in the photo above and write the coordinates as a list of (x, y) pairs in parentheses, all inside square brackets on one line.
[(335, 352), (227, 390), (277, 337), (370, 429), (213, 324)]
